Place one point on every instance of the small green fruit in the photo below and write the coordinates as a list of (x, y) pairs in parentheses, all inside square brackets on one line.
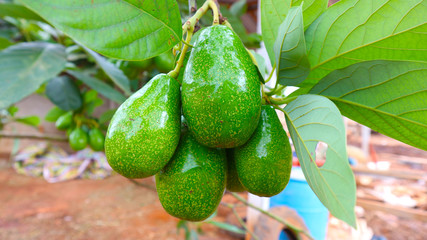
[(96, 139), (64, 121), (165, 62), (233, 182), (78, 139), (191, 186), (144, 132), (264, 163), (221, 91)]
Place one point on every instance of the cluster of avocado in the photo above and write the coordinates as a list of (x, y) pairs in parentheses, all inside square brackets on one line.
[(226, 138), (80, 137)]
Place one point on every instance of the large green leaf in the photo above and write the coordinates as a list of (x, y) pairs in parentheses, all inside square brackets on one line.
[(291, 54), (99, 86), (312, 119), (387, 96), (4, 43), (359, 30), (25, 66), (126, 29), (115, 74), (32, 121), (273, 13), (18, 11), (64, 93)]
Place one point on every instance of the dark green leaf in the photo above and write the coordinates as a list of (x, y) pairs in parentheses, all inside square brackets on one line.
[(312, 119), (25, 66), (291, 54), (362, 30), (64, 93), (54, 114), (18, 11), (115, 74), (127, 29), (33, 121), (387, 96), (99, 86)]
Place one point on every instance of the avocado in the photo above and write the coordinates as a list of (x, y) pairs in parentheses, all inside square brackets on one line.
[(144, 131), (64, 121), (96, 139), (191, 185), (233, 183), (221, 92), (78, 139), (264, 163)]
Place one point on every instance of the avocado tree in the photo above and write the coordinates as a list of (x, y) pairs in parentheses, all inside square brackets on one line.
[(362, 59)]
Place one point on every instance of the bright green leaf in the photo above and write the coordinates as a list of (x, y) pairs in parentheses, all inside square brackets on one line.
[(115, 74), (262, 68), (33, 121), (13, 110), (227, 227), (290, 51), (360, 30), (90, 96), (99, 86), (312, 119), (273, 13), (4, 43), (18, 11), (387, 96), (54, 114), (25, 66), (64, 93), (127, 29)]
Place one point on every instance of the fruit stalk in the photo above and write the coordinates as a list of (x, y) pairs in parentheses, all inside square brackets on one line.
[(35, 137), (294, 228), (233, 208)]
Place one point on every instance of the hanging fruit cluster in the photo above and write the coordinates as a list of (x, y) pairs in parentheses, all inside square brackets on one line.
[(211, 133)]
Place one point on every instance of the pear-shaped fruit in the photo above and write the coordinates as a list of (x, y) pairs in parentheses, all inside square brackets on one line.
[(233, 183), (144, 132), (64, 121), (191, 186), (78, 139), (264, 163), (96, 139), (221, 95)]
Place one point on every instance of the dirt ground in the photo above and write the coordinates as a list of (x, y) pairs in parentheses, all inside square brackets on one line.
[(114, 208)]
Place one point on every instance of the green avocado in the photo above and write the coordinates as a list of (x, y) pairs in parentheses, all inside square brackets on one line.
[(144, 132), (78, 139), (233, 183), (264, 163), (221, 92), (96, 139), (165, 62), (64, 121), (191, 186)]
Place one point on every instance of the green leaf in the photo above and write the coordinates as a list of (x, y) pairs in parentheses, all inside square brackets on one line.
[(312, 119), (387, 96), (262, 68), (25, 66), (33, 121), (99, 86), (127, 29), (12, 110), (90, 96), (227, 227), (238, 8), (360, 30), (107, 116), (291, 55), (4, 43), (18, 11), (64, 93), (273, 13), (54, 114), (115, 74)]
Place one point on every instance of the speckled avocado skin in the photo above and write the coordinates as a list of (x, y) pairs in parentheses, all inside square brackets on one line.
[(264, 163), (233, 183), (191, 186), (144, 132), (221, 95)]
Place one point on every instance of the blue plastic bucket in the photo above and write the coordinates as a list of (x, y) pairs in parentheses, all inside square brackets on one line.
[(299, 196)]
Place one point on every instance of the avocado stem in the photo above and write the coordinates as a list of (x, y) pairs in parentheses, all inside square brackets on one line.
[(214, 6), (175, 72), (294, 228), (233, 208), (275, 90)]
